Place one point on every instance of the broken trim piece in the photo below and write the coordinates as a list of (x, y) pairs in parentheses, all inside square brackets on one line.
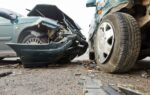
[(51, 52)]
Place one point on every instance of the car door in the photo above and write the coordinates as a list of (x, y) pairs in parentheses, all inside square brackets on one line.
[(6, 33)]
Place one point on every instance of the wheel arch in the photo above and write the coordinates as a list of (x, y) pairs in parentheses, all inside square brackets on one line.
[(38, 27), (25, 32)]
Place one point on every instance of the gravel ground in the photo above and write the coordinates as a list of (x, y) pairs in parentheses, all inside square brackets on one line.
[(55, 80), (65, 79)]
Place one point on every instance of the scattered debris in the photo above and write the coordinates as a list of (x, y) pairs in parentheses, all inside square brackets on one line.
[(129, 91), (95, 87), (98, 68), (93, 65), (12, 66), (145, 74), (90, 65), (112, 84), (16, 73), (78, 74), (81, 82), (4, 74)]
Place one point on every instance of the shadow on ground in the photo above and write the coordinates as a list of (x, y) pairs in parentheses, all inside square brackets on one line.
[(142, 65), (9, 62), (17, 64)]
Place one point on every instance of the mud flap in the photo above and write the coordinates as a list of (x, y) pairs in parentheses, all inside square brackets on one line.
[(44, 53)]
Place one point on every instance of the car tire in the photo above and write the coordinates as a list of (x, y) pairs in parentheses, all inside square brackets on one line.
[(36, 40), (117, 43), (32, 39)]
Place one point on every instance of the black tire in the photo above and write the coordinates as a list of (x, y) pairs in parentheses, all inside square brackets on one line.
[(28, 38), (127, 43)]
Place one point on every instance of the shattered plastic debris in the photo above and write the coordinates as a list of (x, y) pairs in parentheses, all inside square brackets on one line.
[(145, 74), (78, 74), (129, 91), (90, 65), (93, 86), (4, 74)]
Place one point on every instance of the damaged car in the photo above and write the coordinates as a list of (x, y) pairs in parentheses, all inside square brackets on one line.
[(119, 34), (46, 35)]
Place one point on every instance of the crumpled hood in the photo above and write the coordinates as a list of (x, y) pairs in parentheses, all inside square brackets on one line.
[(52, 12), (23, 20)]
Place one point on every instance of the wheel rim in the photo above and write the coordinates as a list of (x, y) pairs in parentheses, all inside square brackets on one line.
[(33, 41), (106, 41)]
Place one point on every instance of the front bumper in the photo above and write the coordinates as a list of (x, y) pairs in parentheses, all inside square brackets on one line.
[(49, 53)]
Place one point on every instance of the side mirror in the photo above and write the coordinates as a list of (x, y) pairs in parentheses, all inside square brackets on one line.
[(7, 16), (91, 3)]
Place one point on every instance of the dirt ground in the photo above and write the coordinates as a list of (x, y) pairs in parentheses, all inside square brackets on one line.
[(65, 79)]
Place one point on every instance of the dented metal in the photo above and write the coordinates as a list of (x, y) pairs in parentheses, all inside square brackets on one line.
[(59, 38), (47, 53)]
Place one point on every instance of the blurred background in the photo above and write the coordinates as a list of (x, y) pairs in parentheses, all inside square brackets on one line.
[(76, 9)]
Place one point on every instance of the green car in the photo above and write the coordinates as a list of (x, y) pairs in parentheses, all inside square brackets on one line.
[(46, 35)]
